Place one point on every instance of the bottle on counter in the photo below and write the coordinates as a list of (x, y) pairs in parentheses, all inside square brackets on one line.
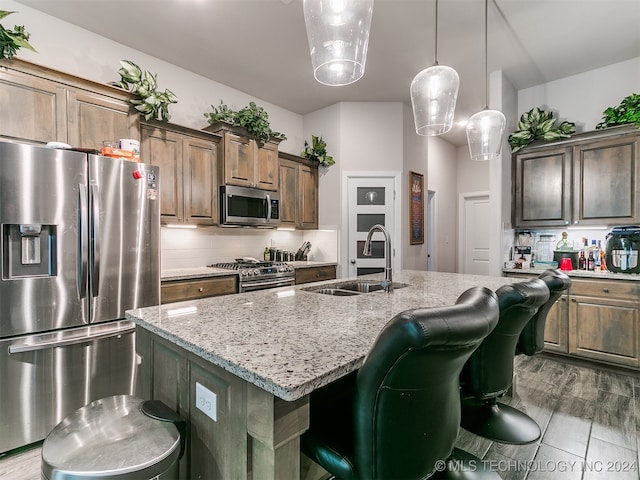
[(582, 261), (595, 247), (603, 262), (564, 243), (267, 254), (591, 262)]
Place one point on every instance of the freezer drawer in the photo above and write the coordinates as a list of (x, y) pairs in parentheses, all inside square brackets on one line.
[(48, 376)]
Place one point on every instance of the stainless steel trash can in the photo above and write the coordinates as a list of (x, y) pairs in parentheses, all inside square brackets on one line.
[(120, 437)]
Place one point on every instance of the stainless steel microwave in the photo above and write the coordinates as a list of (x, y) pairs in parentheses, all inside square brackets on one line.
[(249, 206)]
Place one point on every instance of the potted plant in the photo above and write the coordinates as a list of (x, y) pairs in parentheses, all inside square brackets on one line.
[(538, 124), (12, 40), (149, 101), (252, 118), (628, 111), (317, 152)]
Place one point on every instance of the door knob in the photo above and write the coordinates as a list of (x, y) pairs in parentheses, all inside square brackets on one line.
[(353, 262)]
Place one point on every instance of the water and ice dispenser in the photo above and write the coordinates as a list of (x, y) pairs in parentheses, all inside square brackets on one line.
[(29, 250)]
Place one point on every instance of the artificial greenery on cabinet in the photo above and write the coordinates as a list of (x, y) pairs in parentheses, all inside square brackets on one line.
[(538, 124), (150, 102), (628, 111), (12, 40), (253, 118), (317, 152)]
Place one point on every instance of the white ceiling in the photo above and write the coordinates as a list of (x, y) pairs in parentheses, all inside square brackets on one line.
[(260, 46)]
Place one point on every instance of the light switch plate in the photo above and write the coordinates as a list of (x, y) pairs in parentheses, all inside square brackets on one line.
[(207, 402)]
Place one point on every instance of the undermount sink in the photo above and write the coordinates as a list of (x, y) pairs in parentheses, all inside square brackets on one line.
[(348, 289)]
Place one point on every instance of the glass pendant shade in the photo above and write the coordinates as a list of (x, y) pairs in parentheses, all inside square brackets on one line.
[(338, 33), (434, 92), (484, 134)]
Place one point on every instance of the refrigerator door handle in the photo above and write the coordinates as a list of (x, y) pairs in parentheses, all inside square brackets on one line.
[(65, 339), (95, 240), (83, 241)]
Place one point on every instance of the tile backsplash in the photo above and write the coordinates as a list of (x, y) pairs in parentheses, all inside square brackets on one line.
[(186, 248)]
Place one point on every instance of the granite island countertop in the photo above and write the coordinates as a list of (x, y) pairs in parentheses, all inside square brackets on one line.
[(289, 341)]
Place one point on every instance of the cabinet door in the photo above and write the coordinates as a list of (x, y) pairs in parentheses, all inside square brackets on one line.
[(315, 274), (542, 182), (288, 192), (606, 182), (266, 168), (94, 118), (308, 195), (32, 109), (239, 160), (556, 326), (199, 159), (604, 329), (164, 148)]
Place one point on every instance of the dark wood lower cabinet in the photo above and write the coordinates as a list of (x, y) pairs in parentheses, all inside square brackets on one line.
[(178, 290), (315, 274), (599, 320)]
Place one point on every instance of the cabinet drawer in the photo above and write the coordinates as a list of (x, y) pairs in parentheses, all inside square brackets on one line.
[(315, 274), (606, 289), (192, 289)]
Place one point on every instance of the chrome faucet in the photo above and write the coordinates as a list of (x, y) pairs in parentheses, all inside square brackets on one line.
[(388, 280)]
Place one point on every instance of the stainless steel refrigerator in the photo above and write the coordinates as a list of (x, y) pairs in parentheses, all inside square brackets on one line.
[(80, 245)]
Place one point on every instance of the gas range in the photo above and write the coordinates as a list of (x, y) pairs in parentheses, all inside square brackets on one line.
[(260, 275)]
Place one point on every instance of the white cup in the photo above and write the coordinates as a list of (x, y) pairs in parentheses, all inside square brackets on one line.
[(131, 145)]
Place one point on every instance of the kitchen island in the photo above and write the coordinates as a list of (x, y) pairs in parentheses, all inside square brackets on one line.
[(260, 354)]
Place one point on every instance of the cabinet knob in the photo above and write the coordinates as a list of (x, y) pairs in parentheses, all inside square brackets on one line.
[(562, 299), (576, 222), (573, 300), (201, 289), (566, 222), (605, 290)]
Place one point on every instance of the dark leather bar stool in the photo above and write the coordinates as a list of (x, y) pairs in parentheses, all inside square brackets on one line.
[(531, 339), (488, 373), (398, 416)]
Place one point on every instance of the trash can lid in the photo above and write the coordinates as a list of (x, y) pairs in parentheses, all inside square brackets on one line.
[(110, 439)]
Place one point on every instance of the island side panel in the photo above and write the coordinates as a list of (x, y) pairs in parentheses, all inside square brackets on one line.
[(216, 449), (274, 428)]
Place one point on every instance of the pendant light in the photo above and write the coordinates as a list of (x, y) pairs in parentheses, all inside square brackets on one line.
[(434, 92), (338, 33), (485, 129)]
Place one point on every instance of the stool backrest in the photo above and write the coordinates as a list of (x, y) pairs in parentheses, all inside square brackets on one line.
[(489, 371), (531, 339), (407, 401)]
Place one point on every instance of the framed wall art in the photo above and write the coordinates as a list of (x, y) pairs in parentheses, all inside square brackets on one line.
[(416, 208)]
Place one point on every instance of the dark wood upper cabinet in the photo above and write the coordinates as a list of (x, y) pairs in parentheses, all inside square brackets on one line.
[(589, 179), (298, 192), (39, 105)]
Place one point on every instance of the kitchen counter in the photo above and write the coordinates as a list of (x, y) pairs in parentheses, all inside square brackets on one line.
[(579, 273), (288, 341), (204, 272), (249, 362)]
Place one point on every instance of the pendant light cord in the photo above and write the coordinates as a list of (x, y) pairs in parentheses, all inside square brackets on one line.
[(486, 55), (436, 42)]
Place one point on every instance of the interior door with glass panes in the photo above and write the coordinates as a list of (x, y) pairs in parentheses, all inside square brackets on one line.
[(370, 202)]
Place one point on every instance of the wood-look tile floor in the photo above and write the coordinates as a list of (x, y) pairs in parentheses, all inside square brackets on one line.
[(590, 421)]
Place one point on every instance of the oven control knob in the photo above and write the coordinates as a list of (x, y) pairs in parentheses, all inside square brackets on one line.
[(244, 273), (290, 268), (256, 272)]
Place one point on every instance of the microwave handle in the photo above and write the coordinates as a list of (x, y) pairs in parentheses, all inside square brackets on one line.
[(268, 200)]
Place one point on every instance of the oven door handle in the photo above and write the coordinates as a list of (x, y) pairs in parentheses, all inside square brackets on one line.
[(287, 282)]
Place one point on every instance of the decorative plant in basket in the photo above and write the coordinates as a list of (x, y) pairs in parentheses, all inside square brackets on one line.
[(253, 118), (628, 111), (538, 124), (317, 152), (150, 102), (12, 40)]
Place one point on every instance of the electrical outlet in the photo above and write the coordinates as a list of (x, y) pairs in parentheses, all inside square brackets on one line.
[(207, 401)]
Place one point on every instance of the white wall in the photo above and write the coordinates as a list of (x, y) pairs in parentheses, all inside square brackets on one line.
[(442, 179), (68, 48), (416, 150), (582, 98)]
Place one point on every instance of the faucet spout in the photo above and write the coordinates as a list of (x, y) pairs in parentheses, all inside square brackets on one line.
[(388, 274)]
